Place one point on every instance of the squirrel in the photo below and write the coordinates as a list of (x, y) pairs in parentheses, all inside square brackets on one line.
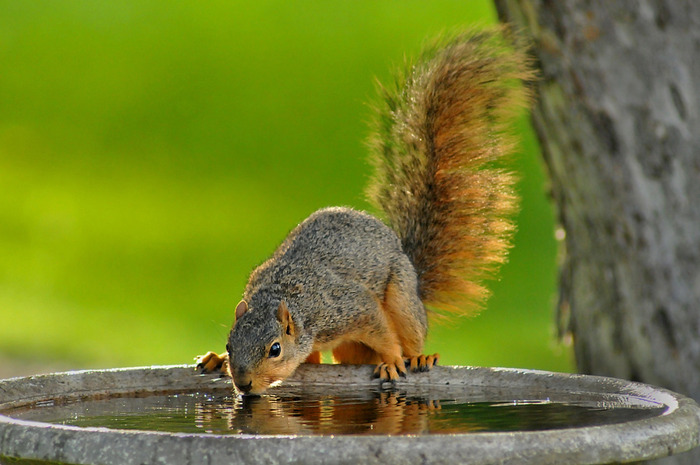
[(346, 281)]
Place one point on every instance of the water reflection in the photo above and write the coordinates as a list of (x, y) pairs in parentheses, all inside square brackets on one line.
[(364, 411), (376, 413)]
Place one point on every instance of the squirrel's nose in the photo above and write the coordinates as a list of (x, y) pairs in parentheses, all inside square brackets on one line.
[(244, 388)]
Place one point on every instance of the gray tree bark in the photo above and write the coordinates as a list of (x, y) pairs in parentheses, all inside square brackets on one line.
[(618, 118)]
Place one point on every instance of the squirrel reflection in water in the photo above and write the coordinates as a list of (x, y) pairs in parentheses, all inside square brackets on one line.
[(377, 412)]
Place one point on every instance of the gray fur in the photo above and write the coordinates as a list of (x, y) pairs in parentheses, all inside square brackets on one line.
[(331, 271)]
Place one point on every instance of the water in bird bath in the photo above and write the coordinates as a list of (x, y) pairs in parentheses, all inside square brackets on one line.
[(337, 414), (314, 411)]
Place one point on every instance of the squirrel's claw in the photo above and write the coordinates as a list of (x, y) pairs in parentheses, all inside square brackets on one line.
[(390, 371), (211, 361), (421, 362)]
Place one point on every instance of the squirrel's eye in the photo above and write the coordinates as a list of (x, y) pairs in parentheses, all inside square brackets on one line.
[(275, 350)]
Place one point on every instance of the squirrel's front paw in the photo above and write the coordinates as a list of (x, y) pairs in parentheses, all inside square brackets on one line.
[(211, 361)]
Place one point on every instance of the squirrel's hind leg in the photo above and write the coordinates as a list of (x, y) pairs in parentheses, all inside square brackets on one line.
[(405, 310)]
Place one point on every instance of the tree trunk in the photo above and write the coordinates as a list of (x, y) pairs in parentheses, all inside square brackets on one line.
[(618, 118)]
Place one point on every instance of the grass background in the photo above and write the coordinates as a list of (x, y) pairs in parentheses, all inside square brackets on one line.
[(152, 153)]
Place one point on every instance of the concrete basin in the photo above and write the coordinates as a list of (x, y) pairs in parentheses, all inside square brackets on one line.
[(670, 423)]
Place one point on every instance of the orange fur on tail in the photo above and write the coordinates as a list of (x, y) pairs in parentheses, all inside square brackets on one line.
[(440, 136)]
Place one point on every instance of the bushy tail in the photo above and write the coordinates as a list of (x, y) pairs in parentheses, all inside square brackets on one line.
[(439, 136)]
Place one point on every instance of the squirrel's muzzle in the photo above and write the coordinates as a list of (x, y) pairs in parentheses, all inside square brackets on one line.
[(243, 381), (244, 388)]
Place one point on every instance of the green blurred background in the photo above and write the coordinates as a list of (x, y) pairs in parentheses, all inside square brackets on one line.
[(153, 152)]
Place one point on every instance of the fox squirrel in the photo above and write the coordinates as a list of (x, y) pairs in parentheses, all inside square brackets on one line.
[(345, 281)]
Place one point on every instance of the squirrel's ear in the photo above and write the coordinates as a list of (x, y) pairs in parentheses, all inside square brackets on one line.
[(241, 308), (285, 318)]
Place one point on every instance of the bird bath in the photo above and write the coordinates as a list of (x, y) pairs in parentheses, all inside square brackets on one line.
[(337, 414)]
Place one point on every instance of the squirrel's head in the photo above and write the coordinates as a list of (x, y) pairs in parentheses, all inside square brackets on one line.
[(263, 347)]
